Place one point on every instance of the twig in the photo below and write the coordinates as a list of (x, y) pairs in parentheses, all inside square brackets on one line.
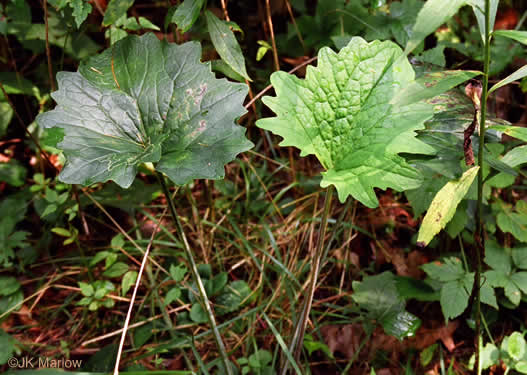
[(267, 88), (136, 287), (271, 31)]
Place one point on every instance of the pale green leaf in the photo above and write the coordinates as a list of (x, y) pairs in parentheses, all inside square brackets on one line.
[(432, 15), (516, 346), (342, 113), (187, 13), (478, 6), (519, 36), (226, 44), (520, 279), (519, 74), (513, 131), (128, 281), (516, 156), (444, 205), (146, 100)]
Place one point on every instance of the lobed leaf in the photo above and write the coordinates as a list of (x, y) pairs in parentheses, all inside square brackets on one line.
[(342, 113), (141, 101)]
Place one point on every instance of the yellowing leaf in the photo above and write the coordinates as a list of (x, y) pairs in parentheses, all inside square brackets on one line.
[(444, 205)]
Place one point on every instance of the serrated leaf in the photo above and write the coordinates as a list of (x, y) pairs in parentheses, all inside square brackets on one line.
[(514, 222), (519, 256), (226, 44), (187, 13), (444, 205), (454, 299), (144, 100), (81, 10), (497, 257), (450, 269), (520, 280), (115, 10), (342, 113)]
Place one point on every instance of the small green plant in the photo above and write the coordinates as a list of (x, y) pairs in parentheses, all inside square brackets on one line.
[(512, 352), (95, 294), (258, 363)]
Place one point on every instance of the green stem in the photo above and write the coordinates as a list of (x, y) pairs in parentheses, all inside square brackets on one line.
[(300, 328), (204, 301), (480, 238)]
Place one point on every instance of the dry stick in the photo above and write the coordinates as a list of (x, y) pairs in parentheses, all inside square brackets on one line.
[(267, 88), (48, 51), (136, 287), (42, 152), (271, 31), (224, 7)]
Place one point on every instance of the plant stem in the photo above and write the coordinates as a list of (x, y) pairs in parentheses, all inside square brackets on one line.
[(204, 301), (298, 337), (479, 235)]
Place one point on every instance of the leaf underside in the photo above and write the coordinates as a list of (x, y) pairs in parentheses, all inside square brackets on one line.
[(145, 100), (342, 113)]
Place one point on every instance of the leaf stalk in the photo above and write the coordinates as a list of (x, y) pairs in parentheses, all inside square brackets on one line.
[(203, 300)]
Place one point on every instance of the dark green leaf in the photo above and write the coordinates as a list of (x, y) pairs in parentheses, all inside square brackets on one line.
[(187, 13), (454, 299), (8, 285), (235, 295), (158, 104), (13, 173), (226, 44)]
